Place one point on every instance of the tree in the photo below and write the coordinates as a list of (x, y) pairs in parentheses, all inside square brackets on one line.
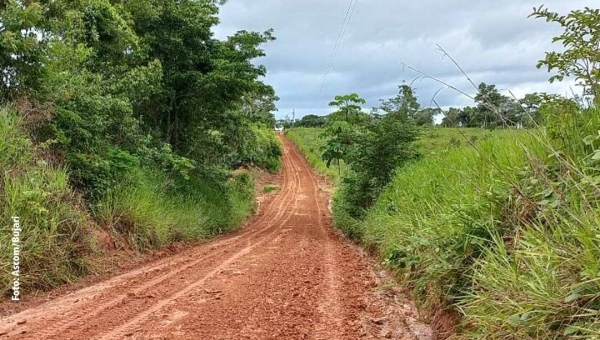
[(134, 83), (493, 108), (340, 138), (404, 105), (311, 121), (258, 106), (531, 106), (24, 40), (205, 81), (349, 108), (425, 117), (581, 42), (451, 118)]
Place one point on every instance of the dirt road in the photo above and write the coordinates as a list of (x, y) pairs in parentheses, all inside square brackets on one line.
[(286, 275)]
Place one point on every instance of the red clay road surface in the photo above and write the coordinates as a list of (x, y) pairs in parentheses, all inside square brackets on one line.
[(286, 275)]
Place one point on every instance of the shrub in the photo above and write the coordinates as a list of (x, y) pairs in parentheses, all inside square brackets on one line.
[(266, 153), (54, 237)]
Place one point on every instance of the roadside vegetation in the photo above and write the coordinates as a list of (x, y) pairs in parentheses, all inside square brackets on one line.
[(311, 144), (125, 118), (54, 236), (499, 227)]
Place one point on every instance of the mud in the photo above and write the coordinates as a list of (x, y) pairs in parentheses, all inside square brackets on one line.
[(287, 275)]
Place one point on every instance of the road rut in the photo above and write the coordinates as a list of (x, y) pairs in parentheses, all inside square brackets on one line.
[(287, 275)]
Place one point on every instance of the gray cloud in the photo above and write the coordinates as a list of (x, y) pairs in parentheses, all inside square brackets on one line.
[(493, 41)]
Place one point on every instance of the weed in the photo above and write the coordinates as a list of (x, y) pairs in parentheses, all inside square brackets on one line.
[(270, 188)]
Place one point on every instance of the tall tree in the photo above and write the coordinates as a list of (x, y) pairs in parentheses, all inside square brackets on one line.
[(493, 108), (404, 105), (349, 108)]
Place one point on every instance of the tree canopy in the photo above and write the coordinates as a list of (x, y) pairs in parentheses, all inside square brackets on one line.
[(134, 82)]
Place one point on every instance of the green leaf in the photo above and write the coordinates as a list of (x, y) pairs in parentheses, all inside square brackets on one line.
[(571, 330), (572, 297), (589, 140), (514, 320)]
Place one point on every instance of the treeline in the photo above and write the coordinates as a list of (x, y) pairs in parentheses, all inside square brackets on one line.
[(352, 111), (492, 110), (113, 84), (139, 102)]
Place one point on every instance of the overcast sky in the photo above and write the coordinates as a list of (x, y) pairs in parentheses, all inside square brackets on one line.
[(493, 40)]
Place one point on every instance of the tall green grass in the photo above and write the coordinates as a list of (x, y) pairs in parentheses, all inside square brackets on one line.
[(153, 212), (432, 140), (436, 139), (54, 237), (506, 233)]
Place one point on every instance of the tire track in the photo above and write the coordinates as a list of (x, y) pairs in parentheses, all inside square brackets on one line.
[(286, 276), (126, 328), (69, 314), (329, 325), (174, 287)]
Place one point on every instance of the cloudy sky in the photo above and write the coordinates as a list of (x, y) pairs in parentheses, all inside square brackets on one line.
[(493, 40)]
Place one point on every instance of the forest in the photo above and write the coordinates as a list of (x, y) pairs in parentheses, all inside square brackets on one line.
[(125, 117)]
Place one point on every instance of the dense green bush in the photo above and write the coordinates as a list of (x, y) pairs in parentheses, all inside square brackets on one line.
[(265, 150), (54, 237), (124, 84), (145, 111), (381, 147), (146, 208)]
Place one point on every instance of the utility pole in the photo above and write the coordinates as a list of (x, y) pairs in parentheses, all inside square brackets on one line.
[(294, 117)]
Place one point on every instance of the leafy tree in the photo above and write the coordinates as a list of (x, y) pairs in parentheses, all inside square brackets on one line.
[(342, 127), (311, 121), (451, 118), (24, 41), (136, 83), (425, 117), (204, 79), (379, 149), (466, 116), (404, 106), (349, 108), (341, 138), (493, 108), (581, 42), (531, 106)]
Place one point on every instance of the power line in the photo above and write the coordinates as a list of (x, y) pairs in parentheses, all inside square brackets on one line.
[(339, 38), (348, 17)]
